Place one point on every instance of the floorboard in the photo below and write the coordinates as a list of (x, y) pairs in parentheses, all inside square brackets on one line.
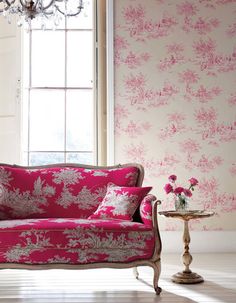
[(119, 285)]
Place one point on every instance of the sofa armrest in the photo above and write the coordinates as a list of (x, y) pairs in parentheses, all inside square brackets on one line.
[(146, 209)]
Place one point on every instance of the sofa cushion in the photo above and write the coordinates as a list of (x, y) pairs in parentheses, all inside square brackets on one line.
[(53, 192), (74, 241), (120, 203)]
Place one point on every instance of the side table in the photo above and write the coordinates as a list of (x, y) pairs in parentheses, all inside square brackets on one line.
[(187, 276)]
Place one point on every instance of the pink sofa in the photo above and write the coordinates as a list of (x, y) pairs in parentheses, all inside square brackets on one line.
[(46, 219)]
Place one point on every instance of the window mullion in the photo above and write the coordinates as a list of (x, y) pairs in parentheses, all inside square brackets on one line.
[(47, 101), (29, 94), (65, 95)]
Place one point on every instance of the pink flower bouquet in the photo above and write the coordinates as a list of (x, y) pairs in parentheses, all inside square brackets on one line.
[(181, 194)]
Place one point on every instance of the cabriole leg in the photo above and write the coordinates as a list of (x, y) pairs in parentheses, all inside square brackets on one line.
[(157, 271), (135, 271)]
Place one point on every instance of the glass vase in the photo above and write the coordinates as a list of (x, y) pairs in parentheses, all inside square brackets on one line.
[(181, 204)]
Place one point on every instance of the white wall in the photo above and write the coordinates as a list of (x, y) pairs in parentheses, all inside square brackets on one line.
[(201, 242)]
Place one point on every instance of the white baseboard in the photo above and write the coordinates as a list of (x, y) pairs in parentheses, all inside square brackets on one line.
[(201, 241)]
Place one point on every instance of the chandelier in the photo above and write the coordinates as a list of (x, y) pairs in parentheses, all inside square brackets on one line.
[(27, 10)]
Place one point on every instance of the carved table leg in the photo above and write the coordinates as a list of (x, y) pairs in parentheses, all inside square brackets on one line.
[(186, 276)]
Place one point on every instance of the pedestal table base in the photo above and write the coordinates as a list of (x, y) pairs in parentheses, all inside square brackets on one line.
[(187, 278)]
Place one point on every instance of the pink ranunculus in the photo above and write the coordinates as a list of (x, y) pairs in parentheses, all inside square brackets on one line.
[(187, 192), (193, 181), (178, 190), (172, 178), (168, 188)]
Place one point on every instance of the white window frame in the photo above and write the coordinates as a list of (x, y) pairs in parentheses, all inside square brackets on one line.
[(26, 96), (109, 138), (110, 83)]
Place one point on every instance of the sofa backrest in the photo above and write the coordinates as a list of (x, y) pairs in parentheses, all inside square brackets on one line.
[(60, 190)]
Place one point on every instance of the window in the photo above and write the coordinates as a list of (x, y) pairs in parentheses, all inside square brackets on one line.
[(60, 108)]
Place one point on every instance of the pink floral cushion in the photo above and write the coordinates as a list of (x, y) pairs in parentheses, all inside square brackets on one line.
[(53, 192), (120, 202), (74, 241)]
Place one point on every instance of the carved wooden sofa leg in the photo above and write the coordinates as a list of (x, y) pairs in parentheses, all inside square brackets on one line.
[(135, 272), (157, 270)]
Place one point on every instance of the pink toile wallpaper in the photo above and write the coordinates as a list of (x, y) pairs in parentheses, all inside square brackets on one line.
[(175, 99)]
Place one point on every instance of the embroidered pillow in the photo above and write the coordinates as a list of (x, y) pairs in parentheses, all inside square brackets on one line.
[(120, 202)]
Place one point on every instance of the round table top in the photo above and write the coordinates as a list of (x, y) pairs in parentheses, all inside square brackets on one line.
[(188, 214)]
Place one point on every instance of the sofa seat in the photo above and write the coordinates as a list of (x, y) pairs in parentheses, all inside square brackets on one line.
[(74, 241)]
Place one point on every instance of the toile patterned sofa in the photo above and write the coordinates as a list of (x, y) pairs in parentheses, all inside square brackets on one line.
[(78, 216)]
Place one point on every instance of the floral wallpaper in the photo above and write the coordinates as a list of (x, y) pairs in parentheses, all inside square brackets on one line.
[(175, 100)]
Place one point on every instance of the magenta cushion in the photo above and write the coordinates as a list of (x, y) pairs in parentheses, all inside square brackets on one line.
[(57, 191), (120, 203), (74, 241)]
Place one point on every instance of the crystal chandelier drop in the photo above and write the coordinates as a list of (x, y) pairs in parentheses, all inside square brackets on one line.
[(27, 10)]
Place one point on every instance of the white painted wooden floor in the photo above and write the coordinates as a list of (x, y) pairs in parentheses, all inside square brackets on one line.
[(108, 285)]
